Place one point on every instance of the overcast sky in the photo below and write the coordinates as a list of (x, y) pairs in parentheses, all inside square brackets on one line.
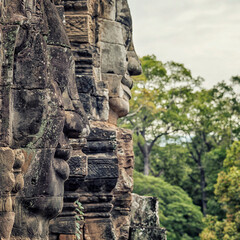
[(202, 34)]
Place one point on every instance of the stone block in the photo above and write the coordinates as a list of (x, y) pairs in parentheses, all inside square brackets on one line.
[(144, 211), (64, 225), (85, 84), (147, 233), (100, 108), (86, 100), (99, 229), (6, 203), (100, 132), (98, 185), (102, 168), (114, 83), (116, 29), (113, 58), (95, 198), (97, 207), (78, 164), (73, 7), (108, 9), (5, 116), (101, 89), (101, 146), (60, 10), (67, 237), (78, 27)]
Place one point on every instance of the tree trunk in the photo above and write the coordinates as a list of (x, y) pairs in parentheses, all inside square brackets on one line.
[(203, 186), (198, 160), (146, 157)]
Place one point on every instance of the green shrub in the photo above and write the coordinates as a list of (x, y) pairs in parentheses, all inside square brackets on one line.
[(177, 213)]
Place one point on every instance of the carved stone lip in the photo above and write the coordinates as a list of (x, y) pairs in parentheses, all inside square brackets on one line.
[(127, 91), (62, 168), (127, 81)]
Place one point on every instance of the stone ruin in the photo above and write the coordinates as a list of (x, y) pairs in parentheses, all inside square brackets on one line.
[(66, 70)]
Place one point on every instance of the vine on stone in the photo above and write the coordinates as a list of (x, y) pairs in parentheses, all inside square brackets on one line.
[(79, 217)]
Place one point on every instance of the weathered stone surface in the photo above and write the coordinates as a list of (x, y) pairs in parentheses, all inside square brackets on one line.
[(147, 233), (78, 164), (122, 192), (67, 237), (100, 41), (36, 69), (11, 181), (6, 224), (108, 9), (6, 176), (117, 32), (100, 228), (100, 181), (63, 225), (7, 182), (144, 211), (144, 219), (113, 58), (78, 28)]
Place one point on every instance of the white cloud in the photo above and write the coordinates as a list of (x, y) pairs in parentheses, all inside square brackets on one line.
[(202, 34)]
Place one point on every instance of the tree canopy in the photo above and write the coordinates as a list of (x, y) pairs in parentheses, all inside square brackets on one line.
[(227, 191), (177, 213), (182, 132)]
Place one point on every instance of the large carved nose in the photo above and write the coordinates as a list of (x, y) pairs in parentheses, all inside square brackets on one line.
[(134, 64)]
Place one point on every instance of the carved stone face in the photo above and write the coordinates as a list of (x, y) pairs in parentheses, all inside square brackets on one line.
[(46, 112), (118, 58)]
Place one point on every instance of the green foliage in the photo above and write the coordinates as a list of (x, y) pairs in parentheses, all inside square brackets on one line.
[(227, 191), (166, 160), (227, 188), (80, 216), (233, 157), (219, 230), (182, 132), (213, 163), (157, 102), (178, 122), (177, 213)]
